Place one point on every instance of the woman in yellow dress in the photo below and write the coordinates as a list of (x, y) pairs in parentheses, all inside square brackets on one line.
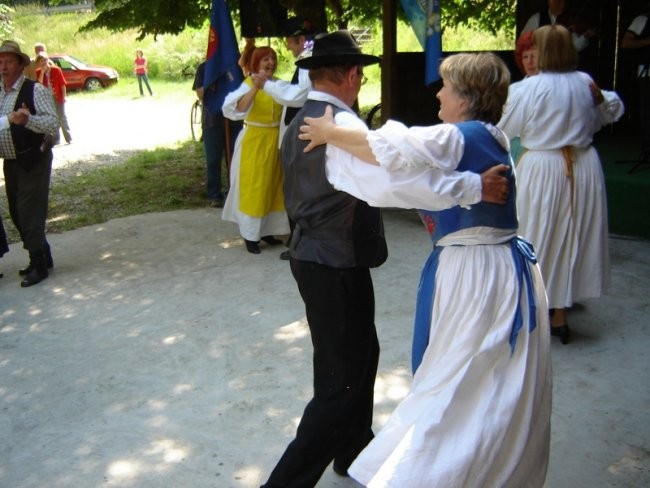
[(256, 201)]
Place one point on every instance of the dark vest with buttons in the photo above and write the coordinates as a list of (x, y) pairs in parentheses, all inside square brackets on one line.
[(28, 145), (332, 227)]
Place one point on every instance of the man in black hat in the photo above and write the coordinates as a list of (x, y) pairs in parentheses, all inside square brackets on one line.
[(292, 95), (27, 121), (336, 239)]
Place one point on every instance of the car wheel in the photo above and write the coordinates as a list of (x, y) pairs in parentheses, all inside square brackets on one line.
[(93, 84)]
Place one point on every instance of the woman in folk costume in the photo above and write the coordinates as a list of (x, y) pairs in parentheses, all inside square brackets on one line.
[(478, 411), (560, 184), (256, 200)]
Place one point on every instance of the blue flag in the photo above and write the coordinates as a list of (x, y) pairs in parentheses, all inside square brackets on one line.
[(221, 68), (424, 17)]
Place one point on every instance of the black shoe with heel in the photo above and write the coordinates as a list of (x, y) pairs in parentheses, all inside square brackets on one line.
[(252, 247), (561, 331)]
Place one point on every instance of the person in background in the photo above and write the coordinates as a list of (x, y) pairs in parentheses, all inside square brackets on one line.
[(291, 95), (141, 69), (50, 75), (557, 13), (219, 135), (478, 411), (561, 195), (256, 200), (526, 59), (637, 39), (27, 119), (526, 54), (30, 69)]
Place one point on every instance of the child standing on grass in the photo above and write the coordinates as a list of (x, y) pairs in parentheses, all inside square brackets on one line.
[(140, 71)]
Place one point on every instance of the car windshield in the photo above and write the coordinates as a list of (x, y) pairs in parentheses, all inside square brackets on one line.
[(69, 62), (76, 62)]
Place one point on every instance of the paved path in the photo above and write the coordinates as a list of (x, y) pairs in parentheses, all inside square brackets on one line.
[(159, 353)]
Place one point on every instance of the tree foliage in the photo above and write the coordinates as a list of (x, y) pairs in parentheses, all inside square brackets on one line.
[(151, 17), (485, 15), (155, 17), (6, 26)]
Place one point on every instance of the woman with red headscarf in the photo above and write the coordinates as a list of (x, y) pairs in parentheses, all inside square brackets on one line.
[(256, 199)]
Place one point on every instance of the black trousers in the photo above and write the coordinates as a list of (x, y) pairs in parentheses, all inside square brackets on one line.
[(27, 196), (336, 424), (4, 246)]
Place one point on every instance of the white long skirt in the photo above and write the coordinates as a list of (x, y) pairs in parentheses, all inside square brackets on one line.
[(478, 413), (566, 223), (250, 228)]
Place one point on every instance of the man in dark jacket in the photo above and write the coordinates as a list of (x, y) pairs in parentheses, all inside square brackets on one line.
[(27, 121)]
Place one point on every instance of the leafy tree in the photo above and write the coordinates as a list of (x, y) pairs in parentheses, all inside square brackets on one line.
[(485, 15), (6, 26), (155, 17)]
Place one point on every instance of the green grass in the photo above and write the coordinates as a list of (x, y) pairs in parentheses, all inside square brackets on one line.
[(152, 181)]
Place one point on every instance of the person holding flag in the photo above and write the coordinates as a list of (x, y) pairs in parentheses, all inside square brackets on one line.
[(217, 76)]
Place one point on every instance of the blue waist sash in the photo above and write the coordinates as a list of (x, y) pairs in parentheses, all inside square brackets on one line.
[(522, 254)]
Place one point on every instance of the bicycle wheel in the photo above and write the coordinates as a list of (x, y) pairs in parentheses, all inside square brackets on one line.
[(195, 120), (373, 120)]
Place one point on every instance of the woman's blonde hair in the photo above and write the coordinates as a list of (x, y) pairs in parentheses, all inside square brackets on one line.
[(555, 49), (480, 78)]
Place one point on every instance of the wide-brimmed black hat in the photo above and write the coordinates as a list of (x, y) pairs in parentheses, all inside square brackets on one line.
[(297, 26), (336, 48)]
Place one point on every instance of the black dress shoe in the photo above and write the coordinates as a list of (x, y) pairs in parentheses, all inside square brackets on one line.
[(285, 255), (252, 247), (340, 470), (49, 262), (561, 331), (272, 241), (25, 271), (35, 275)]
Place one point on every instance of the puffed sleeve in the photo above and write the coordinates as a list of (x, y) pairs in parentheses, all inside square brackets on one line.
[(402, 182), (287, 93), (229, 107), (396, 146), (513, 119), (612, 107)]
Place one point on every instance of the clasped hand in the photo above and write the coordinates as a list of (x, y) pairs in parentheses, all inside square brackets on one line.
[(259, 79), (20, 116)]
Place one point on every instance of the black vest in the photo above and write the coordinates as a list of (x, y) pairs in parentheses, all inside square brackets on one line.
[(332, 227), (28, 144)]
